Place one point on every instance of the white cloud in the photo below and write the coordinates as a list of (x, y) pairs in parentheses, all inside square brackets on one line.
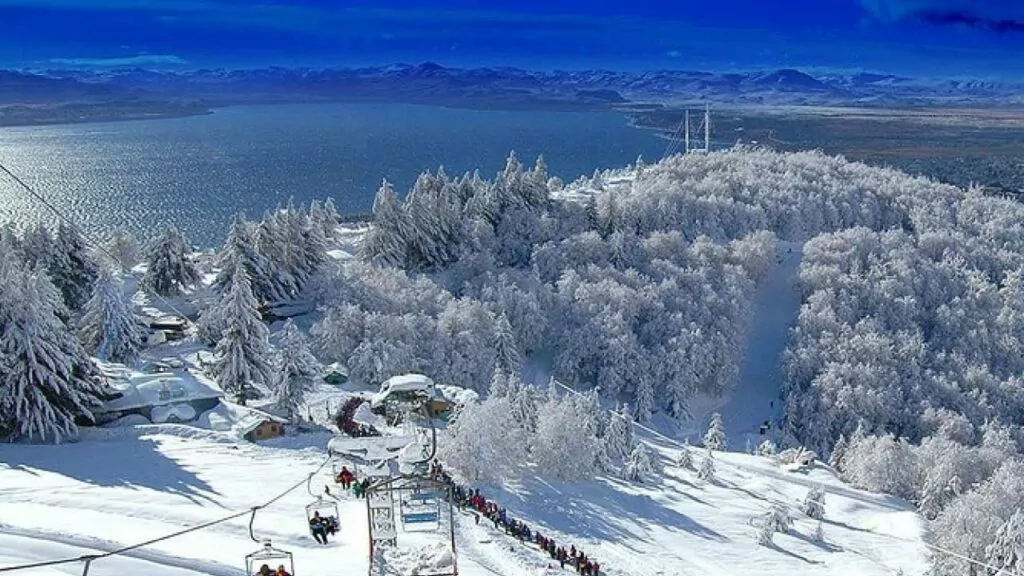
[(139, 60)]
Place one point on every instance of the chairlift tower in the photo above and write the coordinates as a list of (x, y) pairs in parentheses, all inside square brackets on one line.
[(420, 498)]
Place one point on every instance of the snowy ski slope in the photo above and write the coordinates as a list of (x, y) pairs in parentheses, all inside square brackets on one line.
[(64, 501)]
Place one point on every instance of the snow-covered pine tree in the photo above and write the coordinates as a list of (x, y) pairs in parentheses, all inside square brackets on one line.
[(242, 352), (241, 250), (590, 412), (47, 381), (838, 454), (386, 243), (524, 403), (277, 249), (109, 328), (640, 465), (72, 267), (329, 220), (508, 359), (819, 532), (814, 503), (499, 384), (169, 270), (618, 441), (685, 458), (714, 439), (644, 400), (766, 448), (1006, 552), (776, 519), (297, 370), (707, 467), (38, 246)]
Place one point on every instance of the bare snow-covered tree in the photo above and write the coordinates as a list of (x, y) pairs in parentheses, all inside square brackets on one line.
[(125, 249), (242, 354), (169, 270), (485, 442), (814, 503), (707, 467), (1006, 552), (714, 439), (47, 382), (562, 446), (640, 466), (109, 328), (337, 334), (297, 370)]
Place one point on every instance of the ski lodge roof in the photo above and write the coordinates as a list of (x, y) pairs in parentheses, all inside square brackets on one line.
[(403, 384), (139, 390)]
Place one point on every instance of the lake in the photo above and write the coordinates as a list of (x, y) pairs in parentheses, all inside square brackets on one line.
[(197, 172)]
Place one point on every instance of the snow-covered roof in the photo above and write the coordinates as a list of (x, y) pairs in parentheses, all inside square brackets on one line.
[(139, 390), (403, 383), (253, 419), (371, 448)]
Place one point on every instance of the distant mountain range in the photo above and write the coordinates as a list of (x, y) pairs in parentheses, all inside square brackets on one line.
[(147, 92)]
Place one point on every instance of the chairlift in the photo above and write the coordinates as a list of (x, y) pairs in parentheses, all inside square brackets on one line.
[(420, 507), (326, 509), (271, 558)]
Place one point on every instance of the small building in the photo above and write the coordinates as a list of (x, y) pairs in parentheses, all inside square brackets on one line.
[(401, 395), (335, 374), (258, 425), (174, 396)]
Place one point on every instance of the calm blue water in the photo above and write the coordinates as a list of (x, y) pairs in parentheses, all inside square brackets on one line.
[(197, 172)]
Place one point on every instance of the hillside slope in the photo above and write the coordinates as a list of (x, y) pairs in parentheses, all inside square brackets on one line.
[(143, 483)]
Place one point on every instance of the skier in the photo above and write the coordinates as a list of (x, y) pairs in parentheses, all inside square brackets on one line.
[(318, 527)]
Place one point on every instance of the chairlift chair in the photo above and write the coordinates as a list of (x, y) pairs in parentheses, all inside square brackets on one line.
[(328, 509), (270, 557)]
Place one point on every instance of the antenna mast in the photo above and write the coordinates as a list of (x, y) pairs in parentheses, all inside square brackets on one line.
[(686, 121), (707, 127)]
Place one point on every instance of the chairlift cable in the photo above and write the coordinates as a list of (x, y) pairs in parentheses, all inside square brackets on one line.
[(252, 511), (89, 239)]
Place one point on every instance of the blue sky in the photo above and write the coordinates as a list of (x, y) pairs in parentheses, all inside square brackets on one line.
[(977, 38)]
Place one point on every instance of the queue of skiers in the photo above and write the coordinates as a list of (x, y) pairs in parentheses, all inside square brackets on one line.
[(465, 497)]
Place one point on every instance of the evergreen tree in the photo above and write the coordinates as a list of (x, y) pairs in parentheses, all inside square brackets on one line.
[(685, 458), (109, 329), (241, 251), (766, 448), (640, 465), (508, 359), (386, 242), (618, 441), (169, 270), (814, 503), (47, 382), (297, 370), (714, 439), (243, 350), (776, 519), (707, 467), (838, 454), (499, 384), (644, 400), (1006, 552), (524, 404), (72, 268), (329, 220), (38, 247)]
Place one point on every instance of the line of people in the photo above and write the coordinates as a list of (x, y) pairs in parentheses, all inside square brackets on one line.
[(348, 481), (465, 497)]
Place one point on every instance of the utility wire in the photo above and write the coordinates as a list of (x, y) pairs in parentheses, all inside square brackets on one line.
[(932, 547), (196, 528), (90, 240)]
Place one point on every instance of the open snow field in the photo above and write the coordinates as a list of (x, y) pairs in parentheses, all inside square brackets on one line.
[(137, 484)]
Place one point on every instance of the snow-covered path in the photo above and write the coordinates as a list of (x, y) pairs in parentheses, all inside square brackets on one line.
[(776, 307)]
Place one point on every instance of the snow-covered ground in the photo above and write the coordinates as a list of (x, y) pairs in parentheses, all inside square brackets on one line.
[(141, 483)]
